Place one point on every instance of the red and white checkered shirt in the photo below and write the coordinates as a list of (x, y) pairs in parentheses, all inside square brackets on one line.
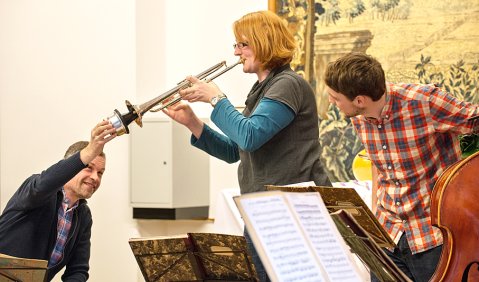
[(64, 223), (411, 144)]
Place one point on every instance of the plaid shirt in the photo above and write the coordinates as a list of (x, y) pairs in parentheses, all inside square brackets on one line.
[(64, 223), (411, 144)]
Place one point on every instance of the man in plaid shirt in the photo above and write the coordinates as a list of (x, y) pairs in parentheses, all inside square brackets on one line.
[(410, 133)]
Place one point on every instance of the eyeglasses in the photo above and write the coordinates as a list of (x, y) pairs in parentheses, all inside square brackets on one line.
[(240, 45)]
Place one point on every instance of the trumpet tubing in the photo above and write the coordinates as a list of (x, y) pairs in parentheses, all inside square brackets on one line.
[(170, 97), (173, 99)]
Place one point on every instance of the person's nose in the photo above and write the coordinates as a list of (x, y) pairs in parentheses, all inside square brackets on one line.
[(95, 176)]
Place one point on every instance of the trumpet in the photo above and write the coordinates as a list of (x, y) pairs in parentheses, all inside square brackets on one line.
[(135, 112)]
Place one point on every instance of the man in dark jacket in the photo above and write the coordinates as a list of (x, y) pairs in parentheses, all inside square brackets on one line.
[(48, 217)]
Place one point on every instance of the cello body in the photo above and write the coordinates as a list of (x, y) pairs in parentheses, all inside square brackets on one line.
[(455, 210)]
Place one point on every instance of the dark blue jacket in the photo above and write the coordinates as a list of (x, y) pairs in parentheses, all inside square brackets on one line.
[(28, 225)]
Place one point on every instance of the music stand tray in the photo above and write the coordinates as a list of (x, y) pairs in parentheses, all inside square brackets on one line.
[(22, 269), (194, 257)]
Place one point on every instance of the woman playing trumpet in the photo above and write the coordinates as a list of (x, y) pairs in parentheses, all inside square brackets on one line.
[(275, 138)]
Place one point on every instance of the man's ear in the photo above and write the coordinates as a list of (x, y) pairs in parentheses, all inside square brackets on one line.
[(360, 101)]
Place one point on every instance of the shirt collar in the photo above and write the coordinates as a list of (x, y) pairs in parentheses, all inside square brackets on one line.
[(66, 201), (386, 110)]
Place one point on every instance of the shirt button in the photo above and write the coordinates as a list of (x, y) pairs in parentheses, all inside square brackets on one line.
[(398, 203), (397, 183), (385, 147), (390, 167), (380, 126)]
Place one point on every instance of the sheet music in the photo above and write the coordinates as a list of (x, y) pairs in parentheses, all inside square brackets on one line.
[(283, 241), (325, 238)]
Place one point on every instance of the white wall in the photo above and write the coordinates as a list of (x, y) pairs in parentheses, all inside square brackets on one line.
[(65, 65)]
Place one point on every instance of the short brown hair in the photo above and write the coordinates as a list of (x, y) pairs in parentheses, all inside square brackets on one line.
[(77, 147), (269, 37), (356, 74)]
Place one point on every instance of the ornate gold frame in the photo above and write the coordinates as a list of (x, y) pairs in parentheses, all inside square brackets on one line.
[(297, 20)]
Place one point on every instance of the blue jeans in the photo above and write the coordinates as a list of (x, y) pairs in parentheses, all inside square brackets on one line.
[(419, 267), (258, 265)]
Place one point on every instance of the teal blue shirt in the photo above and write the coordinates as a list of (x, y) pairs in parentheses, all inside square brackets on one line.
[(247, 133)]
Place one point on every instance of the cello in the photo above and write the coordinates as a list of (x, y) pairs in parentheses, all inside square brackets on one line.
[(455, 210)]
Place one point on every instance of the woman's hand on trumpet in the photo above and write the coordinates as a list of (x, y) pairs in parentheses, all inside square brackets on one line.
[(199, 91)]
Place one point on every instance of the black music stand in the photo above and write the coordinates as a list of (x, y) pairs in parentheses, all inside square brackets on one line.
[(194, 257), (21, 269), (366, 248)]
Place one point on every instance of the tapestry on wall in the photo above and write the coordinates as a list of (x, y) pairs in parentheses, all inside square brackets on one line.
[(416, 41)]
